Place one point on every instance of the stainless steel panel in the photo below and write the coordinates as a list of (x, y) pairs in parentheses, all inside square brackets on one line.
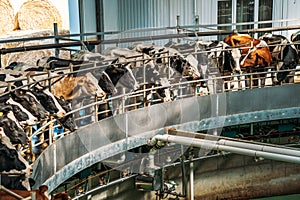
[(101, 140)]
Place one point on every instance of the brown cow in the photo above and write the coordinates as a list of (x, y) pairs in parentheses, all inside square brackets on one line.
[(40, 194), (70, 87), (255, 54), (61, 196)]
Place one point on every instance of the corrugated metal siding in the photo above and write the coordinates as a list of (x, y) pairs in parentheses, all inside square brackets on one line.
[(132, 14), (140, 14), (88, 18)]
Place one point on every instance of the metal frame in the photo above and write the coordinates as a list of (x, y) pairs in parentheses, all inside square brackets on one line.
[(122, 127)]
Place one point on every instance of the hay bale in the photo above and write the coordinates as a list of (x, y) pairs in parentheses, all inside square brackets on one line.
[(29, 57), (37, 15), (6, 16)]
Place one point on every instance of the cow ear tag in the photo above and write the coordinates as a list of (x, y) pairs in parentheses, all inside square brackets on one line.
[(1, 114)]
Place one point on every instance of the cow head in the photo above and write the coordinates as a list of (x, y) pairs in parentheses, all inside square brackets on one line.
[(9, 157), (48, 101), (106, 84), (185, 67), (29, 102), (13, 129), (236, 56), (67, 121), (18, 113), (92, 86), (18, 109), (121, 74)]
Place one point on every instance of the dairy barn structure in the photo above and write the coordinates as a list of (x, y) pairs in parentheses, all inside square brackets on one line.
[(156, 99)]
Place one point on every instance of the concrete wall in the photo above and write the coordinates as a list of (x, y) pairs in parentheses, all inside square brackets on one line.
[(227, 176)]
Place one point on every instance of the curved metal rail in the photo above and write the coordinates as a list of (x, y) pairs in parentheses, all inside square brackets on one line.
[(216, 93), (101, 140)]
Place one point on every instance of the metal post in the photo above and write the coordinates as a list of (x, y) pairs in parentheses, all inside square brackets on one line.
[(54, 159), (192, 180), (144, 85), (56, 40), (183, 175), (123, 100), (178, 23), (178, 26), (49, 79), (126, 128), (96, 109), (33, 195), (51, 131), (197, 22)]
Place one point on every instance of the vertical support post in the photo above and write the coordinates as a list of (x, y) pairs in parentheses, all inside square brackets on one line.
[(51, 131), (178, 23), (197, 22), (33, 195), (215, 85), (144, 82), (54, 159), (49, 79), (126, 126), (123, 100), (178, 26), (251, 79), (56, 40), (96, 109), (169, 65), (191, 180), (183, 173)]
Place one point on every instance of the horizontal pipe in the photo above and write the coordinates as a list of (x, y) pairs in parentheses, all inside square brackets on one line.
[(237, 142), (214, 145), (271, 149), (144, 38), (10, 192)]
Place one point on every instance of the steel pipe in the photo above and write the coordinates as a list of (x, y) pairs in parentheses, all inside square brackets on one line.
[(10, 192), (257, 147), (223, 146)]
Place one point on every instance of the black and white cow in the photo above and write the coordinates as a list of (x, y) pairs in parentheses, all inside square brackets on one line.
[(284, 54), (30, 103), (22, 115), (52, 63), (15, 168), (12, 127), (48, 101), (216, 59), (10, 159), (295, 39), (68, 121), (186, 65), (22, 96), (19, 114), (146, 74)]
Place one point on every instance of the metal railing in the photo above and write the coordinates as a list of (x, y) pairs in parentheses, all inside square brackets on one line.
[(124, 107), (137, 99)]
